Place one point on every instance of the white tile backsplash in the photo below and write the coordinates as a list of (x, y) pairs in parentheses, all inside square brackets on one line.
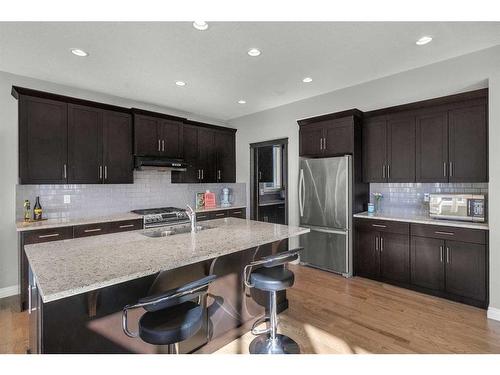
[(410, 196), (151, 188)]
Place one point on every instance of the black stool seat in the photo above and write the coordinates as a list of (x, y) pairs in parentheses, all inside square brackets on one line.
[(171, 325), (272, 279)]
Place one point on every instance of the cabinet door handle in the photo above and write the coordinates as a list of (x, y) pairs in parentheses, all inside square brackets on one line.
[(441, 254), (379, 225), (260, 175), (49, 235), (388, 171), (65, 171), (451, 169), (321, 144), (100, 172), (444, 169), (376, 243), (324, 143), (163, 145), (105, 172), (202, 174), (218, 174), (381, 244), (383, 170), (92, 230), (448, 258), (159, 145), (445, 233), (126, 226)]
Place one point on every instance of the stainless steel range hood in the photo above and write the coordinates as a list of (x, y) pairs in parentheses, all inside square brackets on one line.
[(158, 162)]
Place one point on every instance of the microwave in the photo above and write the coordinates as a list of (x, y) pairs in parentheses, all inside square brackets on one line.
[(464, 207)]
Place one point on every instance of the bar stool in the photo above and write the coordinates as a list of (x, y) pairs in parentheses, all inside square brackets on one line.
[(272, 276), (171, 316)]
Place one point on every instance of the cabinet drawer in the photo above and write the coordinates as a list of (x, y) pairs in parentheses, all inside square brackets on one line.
[(89, 230), (449, 233), (237, 212), (124, 226), (203, 216), (383, 226), (47, 235), (218, 214)]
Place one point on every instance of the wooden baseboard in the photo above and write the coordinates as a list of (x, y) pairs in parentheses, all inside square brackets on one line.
[(493, 313)]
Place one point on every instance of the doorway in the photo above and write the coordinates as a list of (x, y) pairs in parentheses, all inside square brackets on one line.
[(269, 181)]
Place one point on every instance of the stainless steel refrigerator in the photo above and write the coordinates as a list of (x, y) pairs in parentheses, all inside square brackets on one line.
[(325, 206)]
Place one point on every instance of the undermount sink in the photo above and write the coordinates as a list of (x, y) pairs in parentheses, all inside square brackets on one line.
[(171, 231)]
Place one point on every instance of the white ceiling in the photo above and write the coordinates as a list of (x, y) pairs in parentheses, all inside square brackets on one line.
[(142, 61)]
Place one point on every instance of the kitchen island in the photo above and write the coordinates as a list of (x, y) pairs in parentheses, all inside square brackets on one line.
[(78, 287)]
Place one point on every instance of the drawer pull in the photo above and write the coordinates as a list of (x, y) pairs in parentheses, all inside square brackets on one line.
[(379, 225), (201, 216), (219, 214), (127, 226), (236, 212), (92, 230), (49, 235), (446, 233)]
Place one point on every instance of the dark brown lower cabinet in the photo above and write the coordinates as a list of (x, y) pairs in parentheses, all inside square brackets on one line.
[(447, 262), (240, 213)]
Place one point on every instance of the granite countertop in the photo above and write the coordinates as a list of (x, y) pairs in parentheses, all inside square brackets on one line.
[(219, 208), (22, 226), (74, 266), (412, 217)]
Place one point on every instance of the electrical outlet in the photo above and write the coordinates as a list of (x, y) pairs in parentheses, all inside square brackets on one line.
[(427, 197), (67, 199)]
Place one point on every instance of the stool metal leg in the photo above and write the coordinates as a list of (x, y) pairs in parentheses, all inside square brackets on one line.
[(273, 343)]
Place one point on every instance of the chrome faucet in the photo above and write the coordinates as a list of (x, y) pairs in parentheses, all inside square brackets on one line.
[(192, 217)]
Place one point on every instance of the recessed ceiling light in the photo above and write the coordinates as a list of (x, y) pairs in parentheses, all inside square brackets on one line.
[(180, 83), (254, 52), (200, 25), (307, 80), (79, 52), (424, 40), (242, 102)]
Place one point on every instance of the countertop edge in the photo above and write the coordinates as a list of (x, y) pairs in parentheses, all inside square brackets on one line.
[(430, 221)]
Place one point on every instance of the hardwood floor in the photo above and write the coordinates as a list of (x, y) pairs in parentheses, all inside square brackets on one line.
[(331, 314)]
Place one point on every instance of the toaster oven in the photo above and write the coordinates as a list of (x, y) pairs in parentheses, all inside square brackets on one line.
[(464, 207)]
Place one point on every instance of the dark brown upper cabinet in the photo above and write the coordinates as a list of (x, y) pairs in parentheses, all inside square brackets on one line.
[(69, 140), (84, 145), (432, 147), (117, 148), (437, 140), (389, 149), (328, 135), (225, 149), (43, 140), (156, 134), (468, 144), (210, 152)]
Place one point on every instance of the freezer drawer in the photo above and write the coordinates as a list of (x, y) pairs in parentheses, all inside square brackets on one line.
[(326, 249)]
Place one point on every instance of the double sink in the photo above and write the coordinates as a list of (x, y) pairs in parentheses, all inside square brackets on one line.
[(172, 231)]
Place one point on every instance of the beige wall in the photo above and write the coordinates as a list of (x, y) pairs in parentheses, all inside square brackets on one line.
[(8, 158), (460, 74)]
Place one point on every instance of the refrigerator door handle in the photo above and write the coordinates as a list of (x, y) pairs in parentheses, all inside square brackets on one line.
[(301, 191), (327, 230)]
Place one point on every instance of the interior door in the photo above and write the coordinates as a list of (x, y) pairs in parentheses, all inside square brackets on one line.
[(326, 249), (117, 148), (400, 149), (146, 137), (170, 134), (432, 147), (84, 145), (427, 262), (465, 269), (468, 144), (324, 186), (43, 141), (374, 141)]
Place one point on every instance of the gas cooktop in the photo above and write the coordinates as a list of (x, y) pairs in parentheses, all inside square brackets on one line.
[(155, 217)]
